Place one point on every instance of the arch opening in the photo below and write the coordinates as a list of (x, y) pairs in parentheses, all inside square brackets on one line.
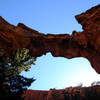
[(59, 72)]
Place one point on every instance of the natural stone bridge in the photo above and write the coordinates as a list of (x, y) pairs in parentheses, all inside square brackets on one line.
[(79, 44)]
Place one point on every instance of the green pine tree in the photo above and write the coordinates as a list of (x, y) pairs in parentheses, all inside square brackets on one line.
[(10, 69)]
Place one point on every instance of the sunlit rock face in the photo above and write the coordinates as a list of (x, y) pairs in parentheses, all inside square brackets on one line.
[(76, 93), (79, 44)]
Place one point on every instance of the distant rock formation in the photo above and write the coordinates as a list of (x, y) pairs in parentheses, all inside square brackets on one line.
[(79, 44), (75, 93)]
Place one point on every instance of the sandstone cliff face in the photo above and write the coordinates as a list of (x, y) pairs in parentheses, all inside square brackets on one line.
[(79, 44), (76, 93)]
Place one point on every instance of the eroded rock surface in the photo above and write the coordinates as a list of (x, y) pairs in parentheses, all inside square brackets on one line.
[(79, 44)]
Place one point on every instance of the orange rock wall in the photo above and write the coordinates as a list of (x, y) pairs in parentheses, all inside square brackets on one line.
[(76, 93)]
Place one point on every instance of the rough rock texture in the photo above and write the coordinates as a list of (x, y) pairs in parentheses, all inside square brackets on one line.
[(35, 95), (76, 93), (79, 44)]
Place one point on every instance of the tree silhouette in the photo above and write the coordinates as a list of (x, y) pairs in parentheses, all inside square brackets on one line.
[(12, 84)]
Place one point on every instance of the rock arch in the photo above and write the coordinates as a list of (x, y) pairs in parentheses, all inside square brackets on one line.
[(79, 44)]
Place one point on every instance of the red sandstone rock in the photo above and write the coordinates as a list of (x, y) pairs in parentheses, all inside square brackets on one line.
[(75, 93), (36, 95), (79, 44)]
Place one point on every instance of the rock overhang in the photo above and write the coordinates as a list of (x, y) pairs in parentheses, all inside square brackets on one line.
[(80, 44)]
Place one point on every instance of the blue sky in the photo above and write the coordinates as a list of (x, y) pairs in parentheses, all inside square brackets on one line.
[(52, 16)]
